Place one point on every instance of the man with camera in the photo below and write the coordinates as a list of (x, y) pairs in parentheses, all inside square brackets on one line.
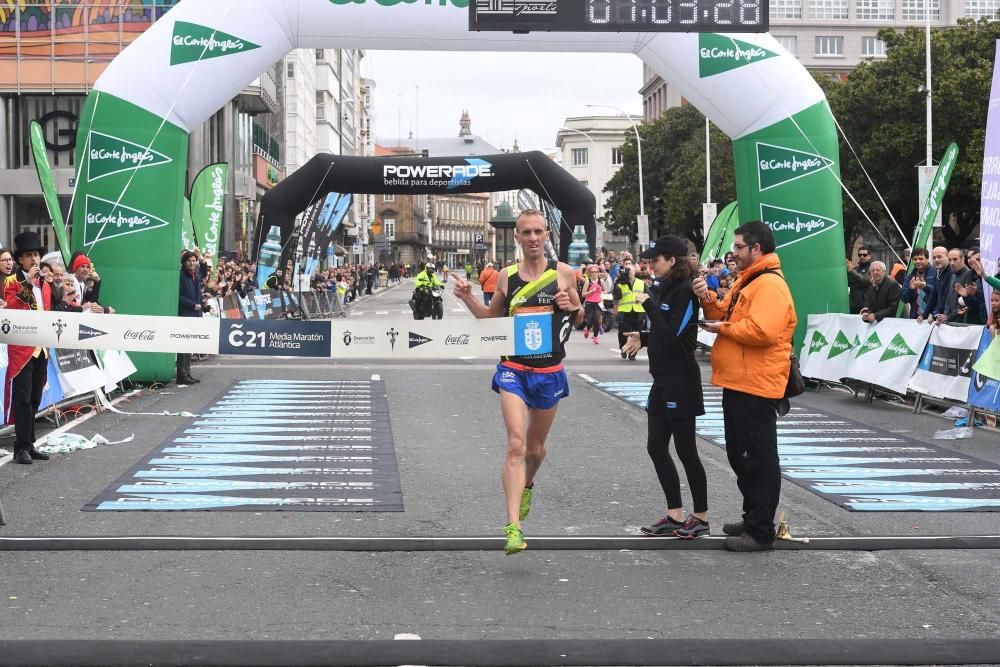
[(631, 314)]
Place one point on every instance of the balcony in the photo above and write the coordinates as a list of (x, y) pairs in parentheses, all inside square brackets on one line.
[(261, 96)]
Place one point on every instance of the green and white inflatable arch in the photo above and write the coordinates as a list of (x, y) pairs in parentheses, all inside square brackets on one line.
[(133, 137)]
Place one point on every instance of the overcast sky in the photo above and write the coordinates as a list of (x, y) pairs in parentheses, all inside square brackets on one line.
[(508, 95)]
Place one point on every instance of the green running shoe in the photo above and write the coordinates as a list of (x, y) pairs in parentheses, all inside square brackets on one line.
[(515, 540), (525, 502)]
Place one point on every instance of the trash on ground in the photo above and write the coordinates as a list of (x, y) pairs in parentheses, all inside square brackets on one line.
[(959, 433)]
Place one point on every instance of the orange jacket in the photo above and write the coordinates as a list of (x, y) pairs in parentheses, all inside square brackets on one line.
[(488, 279), (752, 351)]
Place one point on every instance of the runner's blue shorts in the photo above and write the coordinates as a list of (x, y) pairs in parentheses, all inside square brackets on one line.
[(538, 390)]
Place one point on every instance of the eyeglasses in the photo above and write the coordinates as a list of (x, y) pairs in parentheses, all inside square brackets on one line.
[(6, 259), (739, 246), (862, 254)]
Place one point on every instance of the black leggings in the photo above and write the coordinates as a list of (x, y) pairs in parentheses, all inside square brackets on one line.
[(660, 429), (592, 316)]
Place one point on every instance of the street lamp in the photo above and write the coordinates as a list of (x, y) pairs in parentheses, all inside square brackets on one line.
[(638, 143), (597, 195)]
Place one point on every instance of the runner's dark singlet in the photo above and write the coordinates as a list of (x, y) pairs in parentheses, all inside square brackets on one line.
[(538, 296)]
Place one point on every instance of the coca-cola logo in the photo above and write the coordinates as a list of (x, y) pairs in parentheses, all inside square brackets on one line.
[(462, 339), (144, 334)]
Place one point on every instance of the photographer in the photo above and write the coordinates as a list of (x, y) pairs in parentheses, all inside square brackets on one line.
[(190, 304), (631, 315)]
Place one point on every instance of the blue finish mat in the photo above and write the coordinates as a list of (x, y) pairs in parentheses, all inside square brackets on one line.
[(858, 467), (273, 445)]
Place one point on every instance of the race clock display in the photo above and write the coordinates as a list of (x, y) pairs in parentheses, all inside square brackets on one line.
[(619, 15)]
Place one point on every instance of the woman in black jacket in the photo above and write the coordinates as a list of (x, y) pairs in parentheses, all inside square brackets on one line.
[(190, 304), (675, 400)]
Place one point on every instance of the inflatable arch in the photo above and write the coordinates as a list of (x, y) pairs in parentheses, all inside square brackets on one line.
[(437, 175), (133, 135)]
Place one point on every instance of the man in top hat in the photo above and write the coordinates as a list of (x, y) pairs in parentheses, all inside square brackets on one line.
[(27, 367)]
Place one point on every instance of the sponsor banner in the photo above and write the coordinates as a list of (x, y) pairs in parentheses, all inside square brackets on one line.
[(442, 339), (208, 204), (984, 391), (889, 353), (130, 333), (989, 211), (117, 366), (829, 350), (78, 372), (274, 338), (945, 366)]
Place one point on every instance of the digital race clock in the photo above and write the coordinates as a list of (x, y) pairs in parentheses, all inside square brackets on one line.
[(619, 15)]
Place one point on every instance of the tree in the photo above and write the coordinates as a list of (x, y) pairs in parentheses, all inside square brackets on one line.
[(673, 162), (881, 109)]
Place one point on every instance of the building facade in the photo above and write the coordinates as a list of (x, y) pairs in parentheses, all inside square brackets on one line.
[(591, 150), (51, 55), (834, 35)]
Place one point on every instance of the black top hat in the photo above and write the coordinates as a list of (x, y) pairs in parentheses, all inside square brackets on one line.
[(26, 242)]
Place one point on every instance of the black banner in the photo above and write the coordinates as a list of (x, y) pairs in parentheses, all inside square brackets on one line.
[(326, 173)]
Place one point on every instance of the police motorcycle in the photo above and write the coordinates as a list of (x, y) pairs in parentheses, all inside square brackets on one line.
[(428, 300)]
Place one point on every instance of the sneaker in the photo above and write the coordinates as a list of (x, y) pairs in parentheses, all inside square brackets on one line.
[(693, 527), (746, 543), (23, 457), (665, 527), (624, 355), (586, 332), (526, 502), (515, 540), (734, 529), (595, 340)]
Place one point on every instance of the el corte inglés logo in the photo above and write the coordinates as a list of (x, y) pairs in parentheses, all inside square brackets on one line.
[(192, 42), (839, 346), (777, 165), (817, 343), (873, 343), (108, 155), (718, 54), (791, 226), (897, 348), (105, 220)]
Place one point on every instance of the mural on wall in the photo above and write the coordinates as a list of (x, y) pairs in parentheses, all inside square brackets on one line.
[(106, 24)]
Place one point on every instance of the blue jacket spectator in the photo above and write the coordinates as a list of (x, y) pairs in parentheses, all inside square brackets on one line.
[(919, 283)]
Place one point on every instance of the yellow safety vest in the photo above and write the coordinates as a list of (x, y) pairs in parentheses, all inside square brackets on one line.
[(627, 303)]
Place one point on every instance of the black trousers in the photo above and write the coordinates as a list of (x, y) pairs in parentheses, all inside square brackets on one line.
[(25, 397), (183, 365), (628, 322), (751, 424)]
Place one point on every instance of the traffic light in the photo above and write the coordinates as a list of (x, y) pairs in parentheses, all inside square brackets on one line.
[(659, 216), (633, 232)]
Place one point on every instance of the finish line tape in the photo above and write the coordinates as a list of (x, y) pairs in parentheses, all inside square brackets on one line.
[(340, 339)]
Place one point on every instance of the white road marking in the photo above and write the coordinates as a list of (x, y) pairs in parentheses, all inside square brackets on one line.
[(381, 312)]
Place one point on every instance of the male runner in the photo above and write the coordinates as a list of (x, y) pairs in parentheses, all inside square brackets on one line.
[(530, 386)]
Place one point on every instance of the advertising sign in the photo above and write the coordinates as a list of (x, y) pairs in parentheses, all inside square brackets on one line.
[(946, 365), (265, 338)]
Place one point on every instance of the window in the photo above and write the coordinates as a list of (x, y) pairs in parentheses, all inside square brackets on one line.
[(913, 10), (616, 156), (320, 55), (831, 47), (786, 9), (828, 9), (389, 228), (876, 10), (291, 70), (788, 43), (872, 47), (975, 9), (580, 157), (388, 197)]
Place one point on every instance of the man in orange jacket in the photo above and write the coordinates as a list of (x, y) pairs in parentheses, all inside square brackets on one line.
[(488, 281), (750, 361)]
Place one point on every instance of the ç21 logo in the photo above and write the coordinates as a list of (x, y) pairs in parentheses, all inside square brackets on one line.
[(464, 4)]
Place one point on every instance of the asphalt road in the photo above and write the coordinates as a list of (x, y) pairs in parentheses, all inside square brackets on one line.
[(597, 480)]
